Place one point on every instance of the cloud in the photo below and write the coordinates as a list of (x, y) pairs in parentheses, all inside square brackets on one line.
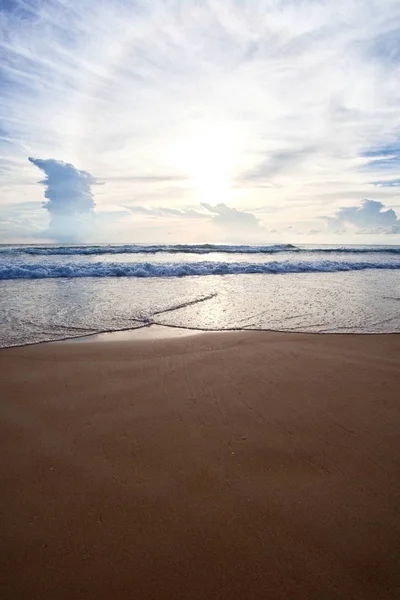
[(388, 183), (219, 214), (18, 229), (370, 217), (231, 218), (148, 178), (276, 163), (69, 199), (387, 46), (184, 213), (384, 159)]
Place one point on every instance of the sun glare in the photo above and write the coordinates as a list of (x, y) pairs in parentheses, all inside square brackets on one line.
[(208, 153)]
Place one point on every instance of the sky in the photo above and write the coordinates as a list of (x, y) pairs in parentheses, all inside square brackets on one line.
[(232, 121)]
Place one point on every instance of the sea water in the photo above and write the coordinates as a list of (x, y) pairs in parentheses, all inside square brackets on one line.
[(50, 292)]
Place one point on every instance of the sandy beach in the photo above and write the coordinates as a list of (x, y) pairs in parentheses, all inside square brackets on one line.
[(220, 466)]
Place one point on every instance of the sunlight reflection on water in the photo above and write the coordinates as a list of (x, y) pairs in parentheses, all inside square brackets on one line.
[(38, 310)]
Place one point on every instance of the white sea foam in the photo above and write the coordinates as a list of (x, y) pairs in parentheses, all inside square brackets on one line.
[(21, 270)]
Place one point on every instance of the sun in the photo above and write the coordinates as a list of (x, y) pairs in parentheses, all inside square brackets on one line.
[(207, 153)]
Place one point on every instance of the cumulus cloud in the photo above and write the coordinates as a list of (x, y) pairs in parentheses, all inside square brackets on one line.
[(69, 199), (225, 216), (371, 217)]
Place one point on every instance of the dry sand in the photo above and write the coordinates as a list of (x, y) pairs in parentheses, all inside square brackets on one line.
[(223, 466)]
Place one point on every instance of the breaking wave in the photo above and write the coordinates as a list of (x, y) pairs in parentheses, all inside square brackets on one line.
[(184, 269), (87, 250)]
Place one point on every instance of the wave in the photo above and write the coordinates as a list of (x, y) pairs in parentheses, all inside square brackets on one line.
[(101, 269), (349, 250), (190, 249), (148, 249)]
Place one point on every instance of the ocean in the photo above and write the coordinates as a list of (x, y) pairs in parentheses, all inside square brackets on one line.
[(53, 292)]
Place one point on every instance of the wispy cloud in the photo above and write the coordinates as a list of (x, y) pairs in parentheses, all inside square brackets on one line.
[(242, 103), (184, 213), (388, 183), (385, 159)]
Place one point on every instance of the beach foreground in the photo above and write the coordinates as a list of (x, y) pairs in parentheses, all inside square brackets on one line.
[(229, 466)]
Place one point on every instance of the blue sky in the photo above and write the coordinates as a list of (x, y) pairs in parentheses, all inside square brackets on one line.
[(215, 120)]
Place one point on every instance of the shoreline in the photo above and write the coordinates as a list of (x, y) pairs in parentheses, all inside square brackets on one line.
[(157, 331), (138, 334), (224, 465)]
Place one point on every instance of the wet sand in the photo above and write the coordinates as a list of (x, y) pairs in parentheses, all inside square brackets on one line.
[(220, 466)]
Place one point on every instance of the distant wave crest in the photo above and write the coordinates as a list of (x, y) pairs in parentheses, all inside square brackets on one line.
[(100, 269), (115, 249), (148, 249)]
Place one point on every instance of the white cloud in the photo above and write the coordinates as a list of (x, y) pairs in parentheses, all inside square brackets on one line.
[(370, 217), (231, 218), (183, 213)]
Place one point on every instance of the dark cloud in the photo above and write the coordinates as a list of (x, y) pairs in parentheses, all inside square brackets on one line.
[(370, 217), (228, 217), (69, 199)]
